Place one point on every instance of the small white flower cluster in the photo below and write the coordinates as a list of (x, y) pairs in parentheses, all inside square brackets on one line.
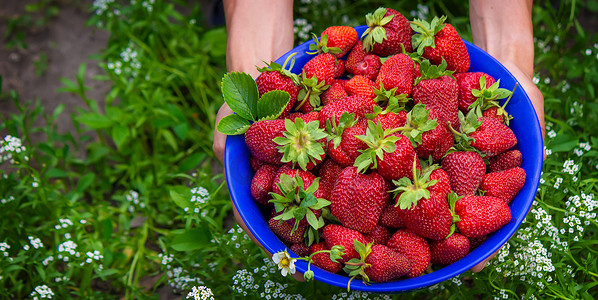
[(9, 146), (200, 293), (542, 45), (93, 256), (148, 5), (128, 64), (570, 167), (101, 6), (582, 147), (502, 294), (565, 86), (580, 212), (133, 198), (422, 12), (42, 292), (354, 295), (68, 249), (588, 51), (7, 199), (302, 29), (64, 223), (576, 109), (250, 282), (237, 236), (199, 198), (35, 242), (47, 260), (180, 279), (4, 249)]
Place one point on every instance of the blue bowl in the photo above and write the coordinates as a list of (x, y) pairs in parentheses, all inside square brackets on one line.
[(525, 125)]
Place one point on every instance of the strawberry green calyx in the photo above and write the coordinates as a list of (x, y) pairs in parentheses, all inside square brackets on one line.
[(390, 98), (298, 203), (321, 46), (413, 191), (469, 123), (432, 71), (375, 34), (336, 253), (301, 143), (418, 122), (379, 141), (311, 91), (335, 132), (486, 98), (357, 266), (425, 32), (239, 91), (273, 66), (452, 199)]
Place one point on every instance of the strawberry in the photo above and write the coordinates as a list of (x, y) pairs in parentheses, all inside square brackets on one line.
[(285, 231), (259, 139), (328, 173), (506, 160), (318, 74), (492, 137), (466, 170), (300, 249), (335, 92), (302, 143), (379, 235), (439, 41), (322, 259), (390, 153), (504, 184), (356, 56), (397, 72), (443, 184), (449, 250), (339, 39), (261, 183), (378, 263), (339, 235), (481, 215), (468, 82), (339, 68), (388, 32), (438, 91), (369, 67), (476, 242), (414, 247), (357, 200), (321, 66), (361, 86), (358, 105), (276, 77), (343, 144), (390, 119), (391, 217), (255, 163), (425, 212)]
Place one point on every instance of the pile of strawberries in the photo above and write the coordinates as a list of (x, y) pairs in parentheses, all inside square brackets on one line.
[(387, 146)]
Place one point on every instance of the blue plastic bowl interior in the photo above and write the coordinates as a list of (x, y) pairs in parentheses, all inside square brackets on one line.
[(525, 125)]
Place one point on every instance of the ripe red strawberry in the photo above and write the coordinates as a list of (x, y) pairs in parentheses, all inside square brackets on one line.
[(386, 264), (442, 185), (414, 247), (437, 41), (504, 184), (341, 37), (328, 173), (388, 33), (397, 72), (497, 113), (343, 145), (369, 67), (506, 160), (261, 183), (277, 77), (283, 230), (318, 73), (255, 163), (307, 177), (449, 250), (339, 235), (259, 139), (392, 154), (466, 170), (468, 82), (481, 215), (357, 200), (360, 85), (322, 66), (391, 120), (339, 68), (358, 105), (379, 235), (356, 55), (323, 260), (391, 217), (335, 92), (437, 91), (493, 138), (476, 242), (302, 144), (300, 249)]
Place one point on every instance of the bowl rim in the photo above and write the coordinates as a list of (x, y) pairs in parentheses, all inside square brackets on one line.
[(533, 161)]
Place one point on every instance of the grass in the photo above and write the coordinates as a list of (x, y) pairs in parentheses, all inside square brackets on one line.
[(133, 194)]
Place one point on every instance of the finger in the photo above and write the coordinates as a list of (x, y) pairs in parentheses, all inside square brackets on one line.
[(219, 138), (479, 267)]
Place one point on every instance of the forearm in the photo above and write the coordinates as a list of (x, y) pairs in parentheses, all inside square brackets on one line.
[(505, 30), (258, 31)]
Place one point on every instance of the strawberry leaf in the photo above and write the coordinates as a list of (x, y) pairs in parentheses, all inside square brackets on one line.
[(312, 219), (233, 125), (271, 105), (240, 93)]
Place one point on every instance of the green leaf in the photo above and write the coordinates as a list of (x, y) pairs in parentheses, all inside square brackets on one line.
[(191, 162), (312, 219), (177, 194), (56, 173), (85, 182), (93, 120), (170, 139), (240, 93), (271, 105), (192, 239), (120, 133), (233, 125)]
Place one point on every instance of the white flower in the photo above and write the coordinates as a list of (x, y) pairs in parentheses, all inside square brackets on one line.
[(285, 263)]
